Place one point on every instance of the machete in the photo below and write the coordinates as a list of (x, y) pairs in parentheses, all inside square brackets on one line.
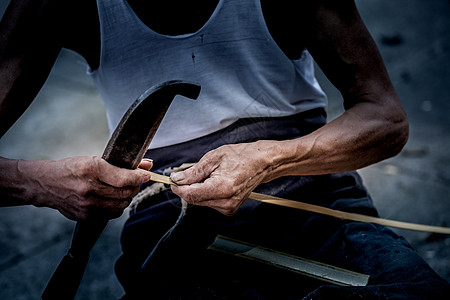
[(125, 149)]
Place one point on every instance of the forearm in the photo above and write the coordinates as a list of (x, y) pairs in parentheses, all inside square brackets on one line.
[(27, 182), (363, 135), (13, 188)]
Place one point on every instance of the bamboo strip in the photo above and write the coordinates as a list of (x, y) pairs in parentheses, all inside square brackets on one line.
[(327, 211)]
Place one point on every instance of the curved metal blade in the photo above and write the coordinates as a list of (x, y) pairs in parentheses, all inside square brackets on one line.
[(133, 135)]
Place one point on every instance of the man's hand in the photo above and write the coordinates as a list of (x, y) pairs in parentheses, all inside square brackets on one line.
[(224, 177), (76, 186)]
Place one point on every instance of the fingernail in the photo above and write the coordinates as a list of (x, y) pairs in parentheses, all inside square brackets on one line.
[(177, 176), (147, 159)]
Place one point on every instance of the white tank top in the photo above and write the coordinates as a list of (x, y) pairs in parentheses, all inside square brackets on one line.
[(242, 71)]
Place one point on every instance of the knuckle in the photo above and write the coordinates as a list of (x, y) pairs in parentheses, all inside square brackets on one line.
[(228, 212), (83, 189), (198, 171), (87, 166), (224, 194), (229, 208), (120, 180), (125, 193), (188, 198), (80, 168)]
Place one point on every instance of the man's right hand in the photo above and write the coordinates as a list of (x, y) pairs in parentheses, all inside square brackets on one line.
[(76, 186)]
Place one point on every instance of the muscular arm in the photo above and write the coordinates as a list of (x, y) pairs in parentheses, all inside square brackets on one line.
[(373, 127), (29, 46), (28, 50), (32, 33)]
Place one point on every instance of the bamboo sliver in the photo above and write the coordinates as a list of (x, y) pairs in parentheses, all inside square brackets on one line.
[(327, 211)]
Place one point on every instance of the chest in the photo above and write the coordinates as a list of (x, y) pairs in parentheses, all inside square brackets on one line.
[(177, 17)]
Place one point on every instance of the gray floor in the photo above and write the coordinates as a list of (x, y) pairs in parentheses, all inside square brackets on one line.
[(68, 119)]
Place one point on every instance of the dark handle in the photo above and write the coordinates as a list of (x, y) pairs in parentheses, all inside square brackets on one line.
[(125, 149), (67, 277)]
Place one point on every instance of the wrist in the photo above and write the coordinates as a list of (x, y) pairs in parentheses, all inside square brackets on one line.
[(288, 157), (24, 182), (12, 183), (29, 174), (274, 157)]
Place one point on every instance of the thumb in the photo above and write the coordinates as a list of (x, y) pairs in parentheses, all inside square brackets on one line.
[(120, 177), (146, 164)]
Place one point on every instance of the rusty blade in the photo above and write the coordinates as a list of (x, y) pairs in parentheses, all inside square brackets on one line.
[(133, 135)]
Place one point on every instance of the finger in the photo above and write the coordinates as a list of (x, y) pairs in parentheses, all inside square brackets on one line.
[(93, 207), (113, 206), (195, 174), (224, 206), (107, 208), (120, 177), (111, 192), (211, 188)]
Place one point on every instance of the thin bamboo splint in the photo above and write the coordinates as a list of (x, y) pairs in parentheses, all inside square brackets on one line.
[(327, 211)]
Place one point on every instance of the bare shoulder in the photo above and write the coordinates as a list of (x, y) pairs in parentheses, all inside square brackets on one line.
[(58, 20), (284, 21), (82, 30), (293, 23), (345, 50)]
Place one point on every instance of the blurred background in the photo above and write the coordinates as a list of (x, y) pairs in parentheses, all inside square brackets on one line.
[(68, 118)]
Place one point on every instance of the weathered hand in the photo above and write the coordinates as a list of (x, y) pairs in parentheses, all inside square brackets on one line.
[(224, 177), (77, 186)]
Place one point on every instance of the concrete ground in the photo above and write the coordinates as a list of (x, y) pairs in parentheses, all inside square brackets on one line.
[(67, 118)]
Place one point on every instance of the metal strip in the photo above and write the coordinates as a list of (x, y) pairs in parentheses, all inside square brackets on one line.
[(317, 270)]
